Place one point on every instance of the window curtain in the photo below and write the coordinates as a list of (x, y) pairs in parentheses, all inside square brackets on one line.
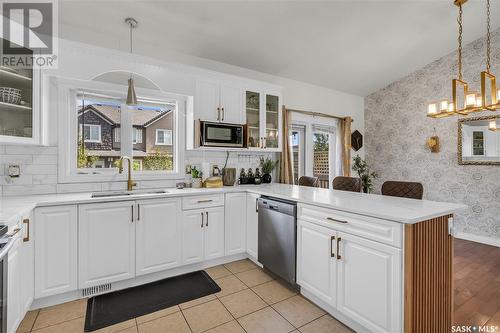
[(286, 162), (345, 132)]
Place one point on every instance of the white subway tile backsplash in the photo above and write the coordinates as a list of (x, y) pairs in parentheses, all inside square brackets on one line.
[(29, 189), (16, 159), (6, 180), (79, 187), (45, 159), (44, 179), (31, 150), (39, 169)]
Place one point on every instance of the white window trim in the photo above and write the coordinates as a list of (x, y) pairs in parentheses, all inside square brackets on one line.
[(67, 90), (157, 143), (134, 135), (90, 132)]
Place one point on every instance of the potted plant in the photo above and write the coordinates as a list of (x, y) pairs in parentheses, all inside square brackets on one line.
[(196, 177), (363, 171), (267, 165)]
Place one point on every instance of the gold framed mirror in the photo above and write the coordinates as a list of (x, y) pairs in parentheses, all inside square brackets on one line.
[(479, 140)]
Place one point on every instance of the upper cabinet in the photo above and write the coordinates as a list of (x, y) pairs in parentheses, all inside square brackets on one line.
[(19, 101), (263, 118), (218, 101)]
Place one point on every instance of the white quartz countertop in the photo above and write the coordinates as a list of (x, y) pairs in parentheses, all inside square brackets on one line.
[(401, 210)]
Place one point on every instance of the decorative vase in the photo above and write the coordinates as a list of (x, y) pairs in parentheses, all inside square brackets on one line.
[(267, 178), (196, 182)]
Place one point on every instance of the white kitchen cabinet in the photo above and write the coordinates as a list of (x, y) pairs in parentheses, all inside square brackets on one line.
[(235, 220), (317, 270), (193, 222), (369, 283), (106, 242), (264, 119), (252, 225), (158, 235), (218, 101), (214, 232), (56, 250), (14, 286)]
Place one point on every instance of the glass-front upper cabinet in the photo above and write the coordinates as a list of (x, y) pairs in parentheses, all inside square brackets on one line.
[(18, 123), (253, 119), (263, 119), (272, 122)]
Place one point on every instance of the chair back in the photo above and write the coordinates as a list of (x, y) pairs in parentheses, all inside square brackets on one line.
[(351, 184), (309, 181), (401, 189)]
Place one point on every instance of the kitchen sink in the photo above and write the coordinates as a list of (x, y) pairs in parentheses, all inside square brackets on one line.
[(125, 193)]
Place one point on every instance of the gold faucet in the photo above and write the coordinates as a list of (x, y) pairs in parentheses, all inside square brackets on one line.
[(130, 183)]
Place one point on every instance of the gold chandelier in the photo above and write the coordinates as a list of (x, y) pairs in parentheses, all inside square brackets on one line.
[(472, 101)]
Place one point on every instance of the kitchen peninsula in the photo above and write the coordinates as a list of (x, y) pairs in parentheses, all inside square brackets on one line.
[(366, 259)]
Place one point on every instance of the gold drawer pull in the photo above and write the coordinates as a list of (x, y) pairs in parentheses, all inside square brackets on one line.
[(27, 222), (338, 221), (203, 201), (338, 248), (331, 247)]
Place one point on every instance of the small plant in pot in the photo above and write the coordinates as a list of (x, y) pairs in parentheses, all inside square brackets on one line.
[(363, 171), (196, 176), (267, 165)]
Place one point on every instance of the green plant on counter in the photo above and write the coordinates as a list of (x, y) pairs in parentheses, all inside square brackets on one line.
[(196, 173), (267, 165), (363, 170)]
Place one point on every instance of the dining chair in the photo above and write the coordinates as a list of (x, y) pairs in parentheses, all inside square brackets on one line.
[(309, 181), (402, 189), (342, 183)]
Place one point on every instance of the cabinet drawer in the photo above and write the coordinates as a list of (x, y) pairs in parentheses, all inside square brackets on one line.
[(203, 201), (379, 230)]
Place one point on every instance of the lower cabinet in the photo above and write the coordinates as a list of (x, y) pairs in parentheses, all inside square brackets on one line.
[(106, 242), (358, 277), (252, 226), (235, 217), (158, 235), (56, 250), (202, 234), (369, 283), (20, 276), (317, 268)]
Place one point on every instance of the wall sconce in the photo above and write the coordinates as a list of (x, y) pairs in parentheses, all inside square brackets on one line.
[(433, 144)]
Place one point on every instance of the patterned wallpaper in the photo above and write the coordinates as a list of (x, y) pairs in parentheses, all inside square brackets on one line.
[(397, 128)]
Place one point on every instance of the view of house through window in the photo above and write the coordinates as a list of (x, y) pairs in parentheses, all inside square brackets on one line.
[(100, 134)]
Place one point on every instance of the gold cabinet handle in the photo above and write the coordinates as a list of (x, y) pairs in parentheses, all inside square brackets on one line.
[(206, 225), (132, 215), (204, 201), (202, 219), (256, 205), (218, 113), (223, 114), (338, 248), (337, 221), (138, 212), (331, 247), (27, 222)]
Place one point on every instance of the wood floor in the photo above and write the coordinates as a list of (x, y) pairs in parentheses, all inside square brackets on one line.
[(477, 284)]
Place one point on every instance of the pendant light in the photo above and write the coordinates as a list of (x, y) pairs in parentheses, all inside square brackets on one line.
[(131, 96), (472, 101)]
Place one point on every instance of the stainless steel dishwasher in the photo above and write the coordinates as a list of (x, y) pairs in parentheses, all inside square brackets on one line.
[(277, 249)]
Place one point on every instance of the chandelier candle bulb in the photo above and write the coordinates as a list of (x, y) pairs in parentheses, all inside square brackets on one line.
[(479, 101), (432, 109), (493, 125), (470, 100), (444, 106), (451, 107)]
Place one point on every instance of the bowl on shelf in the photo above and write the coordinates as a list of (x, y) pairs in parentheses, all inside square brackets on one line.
[(10, 95)]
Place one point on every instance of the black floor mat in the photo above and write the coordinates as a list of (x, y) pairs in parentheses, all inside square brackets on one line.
[(106, 310)]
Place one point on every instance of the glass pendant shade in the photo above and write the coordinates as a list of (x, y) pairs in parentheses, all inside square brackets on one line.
[(443, 106), (470, 100), (131, 96)]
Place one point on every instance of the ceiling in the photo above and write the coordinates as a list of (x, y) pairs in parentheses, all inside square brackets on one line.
[(353, 46)]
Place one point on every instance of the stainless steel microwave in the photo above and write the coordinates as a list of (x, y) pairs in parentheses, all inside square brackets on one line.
[(214, 134)]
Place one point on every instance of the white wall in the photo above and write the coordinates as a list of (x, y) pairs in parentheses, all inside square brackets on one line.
[(81, 61)]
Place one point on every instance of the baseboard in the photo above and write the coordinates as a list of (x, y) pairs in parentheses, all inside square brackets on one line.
[(478, 239)]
